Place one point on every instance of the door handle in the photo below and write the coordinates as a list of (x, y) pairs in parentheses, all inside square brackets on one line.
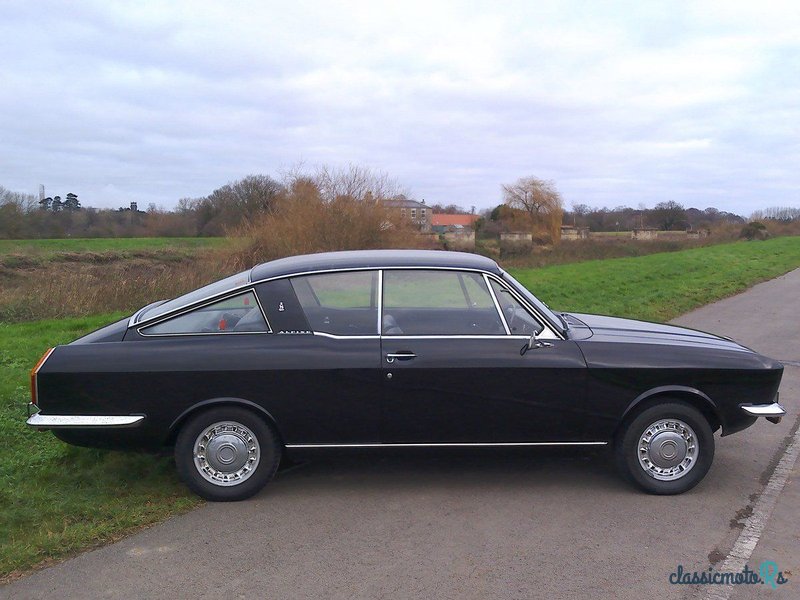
[(390, 358)]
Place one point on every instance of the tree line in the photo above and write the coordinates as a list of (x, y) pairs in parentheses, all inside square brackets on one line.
[(528, 204)]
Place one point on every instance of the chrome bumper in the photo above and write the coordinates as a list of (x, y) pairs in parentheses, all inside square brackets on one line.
[(773, 412), (40, 421)]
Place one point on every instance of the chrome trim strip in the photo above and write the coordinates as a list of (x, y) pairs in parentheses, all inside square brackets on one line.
[(200, 333), (333, 336), (57, 421), (764, 410), (173, 315), (445, 444), (419, 337), (135, 316), (496, 303), (380, 301), (493, 336)]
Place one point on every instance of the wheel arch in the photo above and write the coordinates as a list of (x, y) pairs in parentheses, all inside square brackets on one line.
[(692, 396), (176, 425)]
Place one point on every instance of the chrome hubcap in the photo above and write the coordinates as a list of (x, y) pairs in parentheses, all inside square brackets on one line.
[(226, 453), (668, 449)]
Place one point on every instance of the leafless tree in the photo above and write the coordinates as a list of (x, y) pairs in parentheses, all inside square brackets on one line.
[(540, 199), (354, 181)]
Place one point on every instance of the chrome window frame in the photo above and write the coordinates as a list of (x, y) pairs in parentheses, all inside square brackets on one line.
[(549, 332), (488, 285), (173, 315), (379, 293)]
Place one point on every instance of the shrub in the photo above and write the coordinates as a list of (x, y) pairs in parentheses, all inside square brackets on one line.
[(317, 215), (755, 230)]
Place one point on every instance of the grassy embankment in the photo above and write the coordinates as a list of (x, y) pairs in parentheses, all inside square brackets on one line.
[(659, 287), (55, 499), (51, 279)]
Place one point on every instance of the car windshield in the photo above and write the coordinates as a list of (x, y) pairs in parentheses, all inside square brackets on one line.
[(208, 291), (541, 306)]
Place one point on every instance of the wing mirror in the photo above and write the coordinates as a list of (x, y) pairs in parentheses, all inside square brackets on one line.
[(534, 343)]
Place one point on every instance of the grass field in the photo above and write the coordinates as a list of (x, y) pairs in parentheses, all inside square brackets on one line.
[(56, 499), (659, 287), (104, 244)]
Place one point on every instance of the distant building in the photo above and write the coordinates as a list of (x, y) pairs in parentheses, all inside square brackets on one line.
[(443, 223), (645, 233), (462, 238), (415, 212), (569, 232)]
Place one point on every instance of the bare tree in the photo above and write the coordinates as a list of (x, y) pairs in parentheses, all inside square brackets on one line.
[(540, 199), (354, 181), (777, 213)]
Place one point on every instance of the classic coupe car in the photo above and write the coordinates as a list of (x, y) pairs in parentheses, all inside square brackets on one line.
[(390, 348)]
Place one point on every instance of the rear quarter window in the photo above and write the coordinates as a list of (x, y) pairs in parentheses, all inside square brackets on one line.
[(237, 314)]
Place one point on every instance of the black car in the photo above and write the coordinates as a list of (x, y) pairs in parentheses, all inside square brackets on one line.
[(394, 348)]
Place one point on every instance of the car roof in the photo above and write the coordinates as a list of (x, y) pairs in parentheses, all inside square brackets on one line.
[(369, 259)]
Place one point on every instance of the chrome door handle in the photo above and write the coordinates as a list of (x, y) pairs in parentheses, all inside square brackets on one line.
[(390, 358)]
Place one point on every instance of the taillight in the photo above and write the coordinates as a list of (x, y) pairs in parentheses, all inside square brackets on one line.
[(34, 373)]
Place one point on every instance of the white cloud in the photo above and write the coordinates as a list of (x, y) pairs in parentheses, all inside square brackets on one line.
[(619, 104)]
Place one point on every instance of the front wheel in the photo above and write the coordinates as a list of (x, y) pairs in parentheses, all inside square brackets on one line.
[(666, 449), (226, 454)]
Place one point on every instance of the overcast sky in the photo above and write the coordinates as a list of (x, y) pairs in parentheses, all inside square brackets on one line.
[(619, 104)]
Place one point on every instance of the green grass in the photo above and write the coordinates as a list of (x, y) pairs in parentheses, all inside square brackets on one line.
[(105, 244), (56, 499), (659, 287)]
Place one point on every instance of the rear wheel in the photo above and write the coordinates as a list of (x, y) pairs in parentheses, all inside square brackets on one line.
[(227, 453), (666, 449)]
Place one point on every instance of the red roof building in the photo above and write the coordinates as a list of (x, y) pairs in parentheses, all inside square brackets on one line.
[(453, 221)]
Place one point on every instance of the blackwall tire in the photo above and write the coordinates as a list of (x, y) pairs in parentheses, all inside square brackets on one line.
[(227, 454), (666, 449)]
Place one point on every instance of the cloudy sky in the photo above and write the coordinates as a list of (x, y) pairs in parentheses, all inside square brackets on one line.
[(618, 103)]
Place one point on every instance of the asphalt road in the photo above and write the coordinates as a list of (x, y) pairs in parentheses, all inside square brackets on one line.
[(480, 524)]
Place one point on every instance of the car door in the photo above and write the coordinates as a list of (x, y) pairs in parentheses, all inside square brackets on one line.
[(325, 368), (454, 370)]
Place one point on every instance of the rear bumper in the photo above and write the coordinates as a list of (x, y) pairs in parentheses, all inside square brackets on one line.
[(40, 421)]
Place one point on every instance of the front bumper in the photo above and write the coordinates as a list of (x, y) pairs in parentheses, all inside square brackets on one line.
[(773, 412), (40, 421)]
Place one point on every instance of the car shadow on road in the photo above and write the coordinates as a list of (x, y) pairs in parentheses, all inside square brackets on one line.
[(431, 468)]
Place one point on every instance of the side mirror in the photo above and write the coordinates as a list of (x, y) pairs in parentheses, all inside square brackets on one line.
[(534, 343)]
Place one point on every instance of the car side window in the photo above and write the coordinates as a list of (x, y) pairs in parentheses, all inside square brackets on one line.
[(340, 303), (237, 314), (519, 320), (438, 302)]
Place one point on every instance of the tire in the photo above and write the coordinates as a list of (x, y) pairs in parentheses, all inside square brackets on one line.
[(226, 454), (665, 449)]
